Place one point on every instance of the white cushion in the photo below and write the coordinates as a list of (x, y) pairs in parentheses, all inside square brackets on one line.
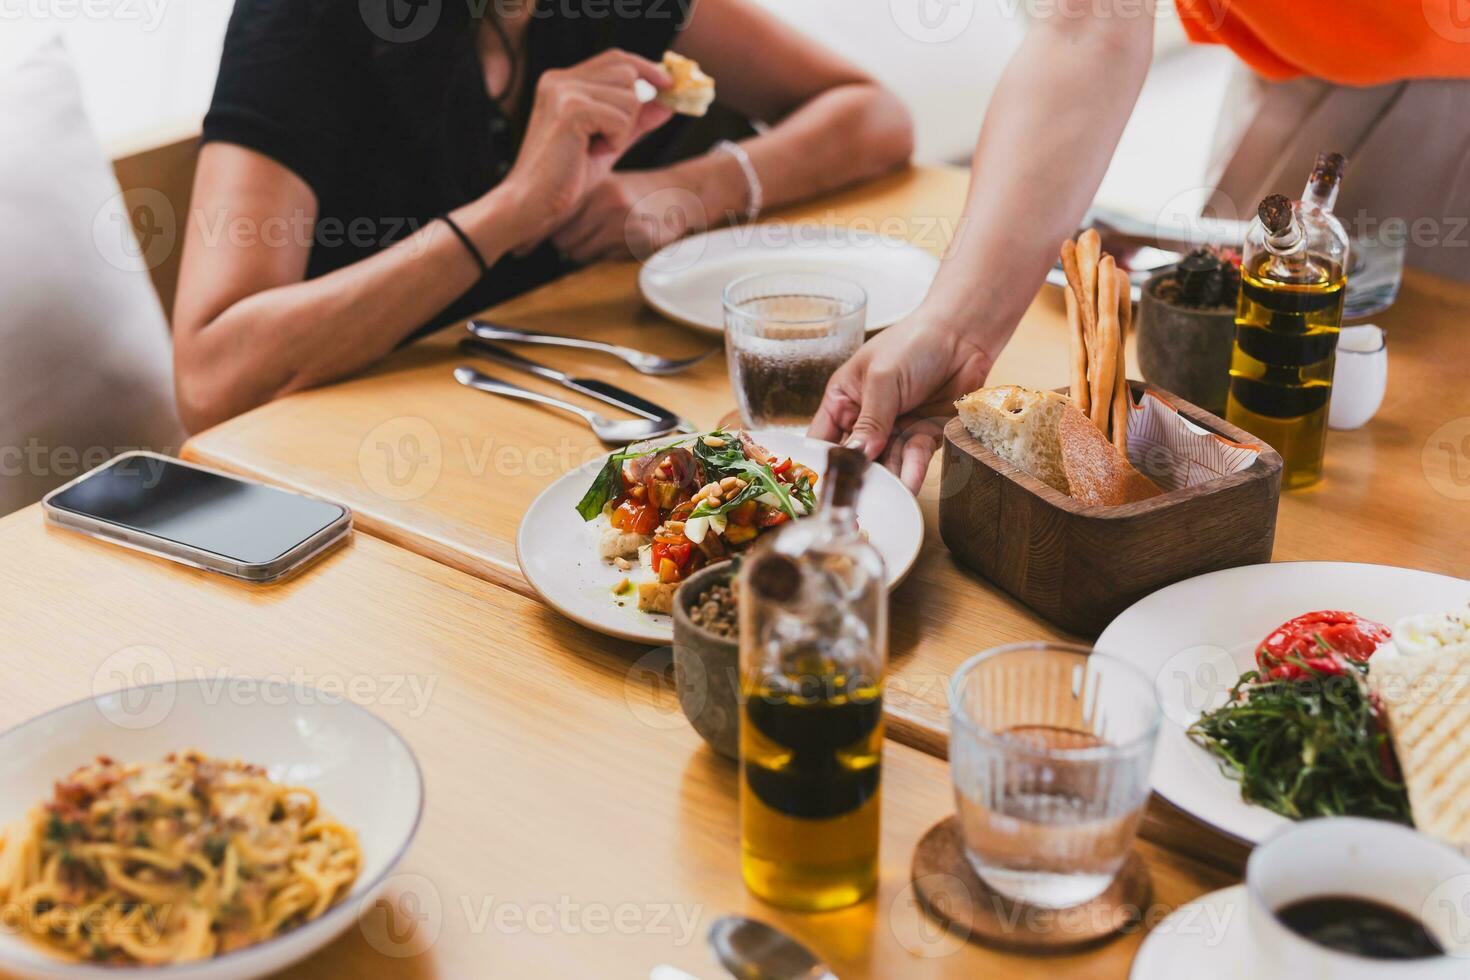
[(85, 354)]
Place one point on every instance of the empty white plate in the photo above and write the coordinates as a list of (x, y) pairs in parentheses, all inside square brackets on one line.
[(686, 280), (558, 550), (1196, 637), (362, 771)]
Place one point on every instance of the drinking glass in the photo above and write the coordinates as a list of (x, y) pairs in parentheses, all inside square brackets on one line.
[(785, 335), (1050, 750)]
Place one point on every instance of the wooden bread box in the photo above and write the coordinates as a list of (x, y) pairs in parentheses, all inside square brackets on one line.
[(1080, 566)]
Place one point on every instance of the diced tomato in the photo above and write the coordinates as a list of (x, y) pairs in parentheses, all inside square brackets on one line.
[(635, 517), (771, 516), (663, 493), (676, 551), (744, 513), (1346, 636), (668, 571), (797, 471)]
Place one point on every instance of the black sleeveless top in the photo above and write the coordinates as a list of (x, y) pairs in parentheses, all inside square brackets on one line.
[(380, 107)]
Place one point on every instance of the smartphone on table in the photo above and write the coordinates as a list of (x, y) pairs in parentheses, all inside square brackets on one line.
[(198, 516)]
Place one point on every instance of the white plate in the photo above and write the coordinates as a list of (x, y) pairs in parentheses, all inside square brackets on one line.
[(363, 772), (1197, 636), (558, 550), (1206, 939), (686, 280)]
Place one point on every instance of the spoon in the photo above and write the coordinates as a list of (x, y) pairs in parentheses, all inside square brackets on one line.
[(640, 361), (614, 432), (752, 950)]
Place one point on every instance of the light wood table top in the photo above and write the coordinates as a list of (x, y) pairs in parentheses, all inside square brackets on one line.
[(448, 472), (575, 826)]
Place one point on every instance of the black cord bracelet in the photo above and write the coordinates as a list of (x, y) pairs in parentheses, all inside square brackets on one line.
[(469, 245)]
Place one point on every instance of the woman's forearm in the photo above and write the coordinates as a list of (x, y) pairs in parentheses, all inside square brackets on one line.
[(291, 337), (846, 134), (1048, 136)]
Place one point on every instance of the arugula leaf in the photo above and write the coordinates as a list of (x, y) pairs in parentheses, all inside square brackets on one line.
[(720, 461), (730, 460), (608, 482), (605, 486), (759, 479), (1312, 746), (802, 491)]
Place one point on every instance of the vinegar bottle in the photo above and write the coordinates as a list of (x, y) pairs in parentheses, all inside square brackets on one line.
[(1293, 275), (813, 651)]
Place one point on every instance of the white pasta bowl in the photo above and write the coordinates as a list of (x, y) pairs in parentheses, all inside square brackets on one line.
[(362, 771)]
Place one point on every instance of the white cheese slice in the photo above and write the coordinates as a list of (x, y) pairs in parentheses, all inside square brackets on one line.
[(695, 528)]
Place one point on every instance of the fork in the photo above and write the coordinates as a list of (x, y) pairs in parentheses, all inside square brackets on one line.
[(614, 432), (640, 361)]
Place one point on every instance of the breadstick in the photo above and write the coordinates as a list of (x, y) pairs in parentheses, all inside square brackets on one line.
[(1089, 253), (1077, 346), (1105, 364), (1121, 397), (1072, 267)]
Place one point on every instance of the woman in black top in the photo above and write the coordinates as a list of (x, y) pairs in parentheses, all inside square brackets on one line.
[(342, 132)]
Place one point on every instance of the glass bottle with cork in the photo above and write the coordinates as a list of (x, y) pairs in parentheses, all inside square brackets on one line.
[(813, 651), (1293, 276)]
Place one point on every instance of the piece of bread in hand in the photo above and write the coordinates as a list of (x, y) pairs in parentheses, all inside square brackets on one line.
[(692, 92), (1097, 474), (1020, 426)]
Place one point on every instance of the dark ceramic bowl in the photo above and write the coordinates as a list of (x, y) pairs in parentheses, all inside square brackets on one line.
[(1183, 350), (707, 668)]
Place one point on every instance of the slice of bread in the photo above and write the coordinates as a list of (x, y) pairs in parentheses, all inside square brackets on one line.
[(1097, 474), (1020, 426), (1426, 698)]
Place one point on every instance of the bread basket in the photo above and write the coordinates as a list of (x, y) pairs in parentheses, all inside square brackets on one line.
[(1080, 566)]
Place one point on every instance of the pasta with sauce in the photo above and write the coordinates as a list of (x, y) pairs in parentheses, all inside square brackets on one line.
[(158, 863)]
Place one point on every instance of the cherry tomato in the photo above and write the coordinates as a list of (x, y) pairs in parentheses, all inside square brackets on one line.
[(1347, 636), (635, 517), (782, 466)]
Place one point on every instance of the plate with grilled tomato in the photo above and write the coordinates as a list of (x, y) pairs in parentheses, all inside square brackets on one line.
[(609, 543), (1284, 695)]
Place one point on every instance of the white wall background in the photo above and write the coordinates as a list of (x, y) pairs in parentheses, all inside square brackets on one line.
[(148, 66)]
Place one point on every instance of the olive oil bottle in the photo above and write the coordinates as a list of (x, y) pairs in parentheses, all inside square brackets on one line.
[(813, 650), (1292, 280)]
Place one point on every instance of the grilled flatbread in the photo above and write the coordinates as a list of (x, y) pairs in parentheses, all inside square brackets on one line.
[(1423, 683)]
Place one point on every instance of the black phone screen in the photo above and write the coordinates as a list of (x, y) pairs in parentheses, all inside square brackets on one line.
[(245, 522)]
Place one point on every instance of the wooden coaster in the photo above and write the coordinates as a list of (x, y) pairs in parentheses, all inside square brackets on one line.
[(951, 892)]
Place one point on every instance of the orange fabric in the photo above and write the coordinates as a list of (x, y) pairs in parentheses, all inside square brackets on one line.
[(1349, 42)]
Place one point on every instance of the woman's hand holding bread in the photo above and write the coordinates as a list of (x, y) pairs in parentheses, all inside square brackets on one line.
[(582, 120)]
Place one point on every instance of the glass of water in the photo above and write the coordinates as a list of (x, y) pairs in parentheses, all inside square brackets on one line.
[(785, 335), (1050, 749)]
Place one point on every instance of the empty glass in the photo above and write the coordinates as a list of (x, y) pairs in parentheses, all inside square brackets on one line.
[(1050, 749), (785, 335)]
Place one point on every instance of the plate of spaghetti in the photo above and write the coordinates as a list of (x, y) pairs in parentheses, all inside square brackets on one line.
[(234, 857)]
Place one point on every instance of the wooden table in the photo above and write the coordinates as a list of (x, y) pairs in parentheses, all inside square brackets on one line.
[(447, 472), (575, 826)]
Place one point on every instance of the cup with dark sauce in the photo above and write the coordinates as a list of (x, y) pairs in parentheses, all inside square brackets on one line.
[(1345, 898)]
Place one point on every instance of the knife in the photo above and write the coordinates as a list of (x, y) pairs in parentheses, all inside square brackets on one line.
[(604, 392)]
